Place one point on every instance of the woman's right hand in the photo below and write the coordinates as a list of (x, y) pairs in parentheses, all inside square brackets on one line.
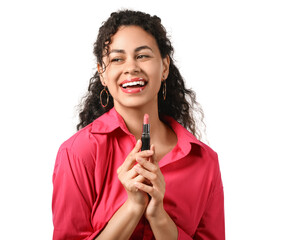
[(128, 176)]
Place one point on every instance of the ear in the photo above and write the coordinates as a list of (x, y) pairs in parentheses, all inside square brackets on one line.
[(166, 65), (100, 72)]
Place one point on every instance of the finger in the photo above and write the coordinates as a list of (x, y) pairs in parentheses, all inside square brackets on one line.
[(145, 153), (131, 173), (147, 164), (154, 157), (130, 159), (137, 147), (145, 188), (130, 183), (139, 178), (152, 177)]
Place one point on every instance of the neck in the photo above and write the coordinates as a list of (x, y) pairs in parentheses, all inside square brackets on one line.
[(133, 118)]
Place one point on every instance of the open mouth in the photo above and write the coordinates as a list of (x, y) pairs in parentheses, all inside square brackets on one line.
[(134, 85)]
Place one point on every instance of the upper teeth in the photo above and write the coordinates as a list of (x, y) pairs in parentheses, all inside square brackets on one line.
[(142, 83)]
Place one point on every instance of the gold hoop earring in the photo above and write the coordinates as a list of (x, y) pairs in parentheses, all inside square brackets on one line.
[(107, 97), (164, 90)]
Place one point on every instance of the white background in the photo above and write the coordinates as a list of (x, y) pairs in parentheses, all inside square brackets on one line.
[(232, 53)]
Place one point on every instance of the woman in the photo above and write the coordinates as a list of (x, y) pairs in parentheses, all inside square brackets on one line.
[(104, 186)]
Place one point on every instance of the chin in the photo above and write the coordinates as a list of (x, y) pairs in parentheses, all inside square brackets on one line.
[(136, 103)]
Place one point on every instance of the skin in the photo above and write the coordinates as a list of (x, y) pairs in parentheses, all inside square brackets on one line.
[(135, 53)]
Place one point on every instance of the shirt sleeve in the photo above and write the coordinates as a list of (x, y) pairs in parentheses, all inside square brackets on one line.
[(73, 197), (211, 226)]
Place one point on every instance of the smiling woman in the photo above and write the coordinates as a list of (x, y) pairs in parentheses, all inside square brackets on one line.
[(137, 84), (105, 185), (174, 105), (134, 69)]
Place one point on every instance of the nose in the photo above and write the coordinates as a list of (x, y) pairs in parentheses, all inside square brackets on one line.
[(131, 67)]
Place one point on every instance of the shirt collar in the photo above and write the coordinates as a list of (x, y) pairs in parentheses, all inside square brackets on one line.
[(185, 138), (108, 122), (114, 120)]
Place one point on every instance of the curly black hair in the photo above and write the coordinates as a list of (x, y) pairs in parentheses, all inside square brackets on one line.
[(180, 102)]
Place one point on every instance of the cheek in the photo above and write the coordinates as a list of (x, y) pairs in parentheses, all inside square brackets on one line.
[(111, 76), (156, 73)]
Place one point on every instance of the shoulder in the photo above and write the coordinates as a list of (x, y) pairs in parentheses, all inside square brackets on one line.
[(77, 151), (86, 143), (80, 143), (208, 151), (209, 161)]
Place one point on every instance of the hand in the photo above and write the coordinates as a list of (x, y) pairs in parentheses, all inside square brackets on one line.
[(154, 184), (128, 176)]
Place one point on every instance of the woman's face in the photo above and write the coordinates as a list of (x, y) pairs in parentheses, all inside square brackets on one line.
[(134, 68)]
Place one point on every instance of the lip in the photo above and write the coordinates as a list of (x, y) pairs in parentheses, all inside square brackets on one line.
[(132, 90)]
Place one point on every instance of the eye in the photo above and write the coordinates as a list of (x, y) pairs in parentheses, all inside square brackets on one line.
[(142, 56), (116, 60)]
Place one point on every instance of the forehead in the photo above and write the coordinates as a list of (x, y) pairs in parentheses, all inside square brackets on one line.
[(131, 37)]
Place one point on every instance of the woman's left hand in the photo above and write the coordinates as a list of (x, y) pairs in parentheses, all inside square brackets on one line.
[(154, 185)]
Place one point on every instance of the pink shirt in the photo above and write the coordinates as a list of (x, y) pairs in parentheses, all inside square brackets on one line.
[(87, 191)]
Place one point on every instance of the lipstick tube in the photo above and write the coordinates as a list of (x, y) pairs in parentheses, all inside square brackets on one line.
[(145, 138)]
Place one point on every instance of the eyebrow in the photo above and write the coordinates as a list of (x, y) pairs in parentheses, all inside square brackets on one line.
[(138, 49), (143, 47)]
